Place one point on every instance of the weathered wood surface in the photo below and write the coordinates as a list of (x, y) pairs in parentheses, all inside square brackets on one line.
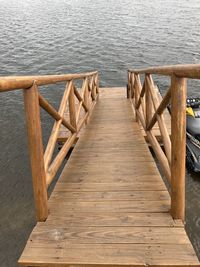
[(156, 130), (110, 206), (179, 91), (10, 83), (34, 131), (191, 71), (119, 92)]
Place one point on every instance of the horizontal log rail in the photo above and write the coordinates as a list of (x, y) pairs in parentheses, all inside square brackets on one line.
[(23, 82), (75, 108), (150, 108), (191, 71)]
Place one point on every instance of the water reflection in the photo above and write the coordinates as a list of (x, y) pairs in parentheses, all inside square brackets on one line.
[(44, 37)]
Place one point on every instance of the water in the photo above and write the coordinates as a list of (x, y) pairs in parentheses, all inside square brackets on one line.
[(61, 36)]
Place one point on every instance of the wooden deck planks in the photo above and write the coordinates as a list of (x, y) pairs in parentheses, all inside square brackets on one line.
[(60, 253), (110, 235), (110, 206), (110, 195), (113, 219)]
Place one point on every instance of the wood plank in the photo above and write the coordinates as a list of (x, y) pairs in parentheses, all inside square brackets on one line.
[(109, 235), (102, 177), (90, 179), (64, 254), (113, 165), (88, 187), (60, 196), (110, 206), (68, 218)]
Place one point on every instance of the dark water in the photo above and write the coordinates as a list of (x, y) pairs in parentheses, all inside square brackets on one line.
[(61, 36)]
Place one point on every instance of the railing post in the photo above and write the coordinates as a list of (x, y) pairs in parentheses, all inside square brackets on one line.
[(128, 85), (178, 137), (97, 83), (32, 112), (136, 94), (72, 108), (86, 93), (94, 93), (148, 101), (86, 98)]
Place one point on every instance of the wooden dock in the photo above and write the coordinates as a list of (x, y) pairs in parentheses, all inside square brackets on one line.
[(110, 206)]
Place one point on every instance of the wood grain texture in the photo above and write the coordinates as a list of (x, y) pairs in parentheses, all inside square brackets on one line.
[(55, 130), (110, 206), (34, 131), (18, 82), (160, 118), (191, 71), (68, 218), (50, 109), (61, 254), (179, 92)]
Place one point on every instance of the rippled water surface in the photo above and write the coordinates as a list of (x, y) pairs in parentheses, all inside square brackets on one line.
[(61, 36)]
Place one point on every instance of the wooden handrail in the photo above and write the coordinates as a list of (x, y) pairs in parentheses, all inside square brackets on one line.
[(160, 118), (80, 98), (43, 166), (54, 113), (163, 105), (191, 71), (55, 131), (141, 96), (149, 110), (24, 82)]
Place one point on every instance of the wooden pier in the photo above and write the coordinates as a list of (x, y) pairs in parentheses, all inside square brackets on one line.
[(110, 206)]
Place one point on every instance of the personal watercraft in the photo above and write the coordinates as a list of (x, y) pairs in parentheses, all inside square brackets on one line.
[(193, 134)]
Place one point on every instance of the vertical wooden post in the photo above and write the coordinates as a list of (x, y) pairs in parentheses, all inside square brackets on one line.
[(148, 103), (32, 112), (86, 97), (136, 94), (178, 137), (97, 83), (128, 85), (72, 108), (132, 84), (86, 93), (94, 92), (91, 87)]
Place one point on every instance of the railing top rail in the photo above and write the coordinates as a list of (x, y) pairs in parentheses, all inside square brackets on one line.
[(191, 71), (22, 82)]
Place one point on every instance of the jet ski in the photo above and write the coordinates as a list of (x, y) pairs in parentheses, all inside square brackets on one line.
[(193, 134)]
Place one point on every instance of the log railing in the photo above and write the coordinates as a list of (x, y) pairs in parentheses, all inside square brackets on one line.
[(75, 108), (149, 109)]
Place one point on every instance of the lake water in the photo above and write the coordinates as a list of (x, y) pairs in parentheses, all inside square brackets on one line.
[(61, 36)]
